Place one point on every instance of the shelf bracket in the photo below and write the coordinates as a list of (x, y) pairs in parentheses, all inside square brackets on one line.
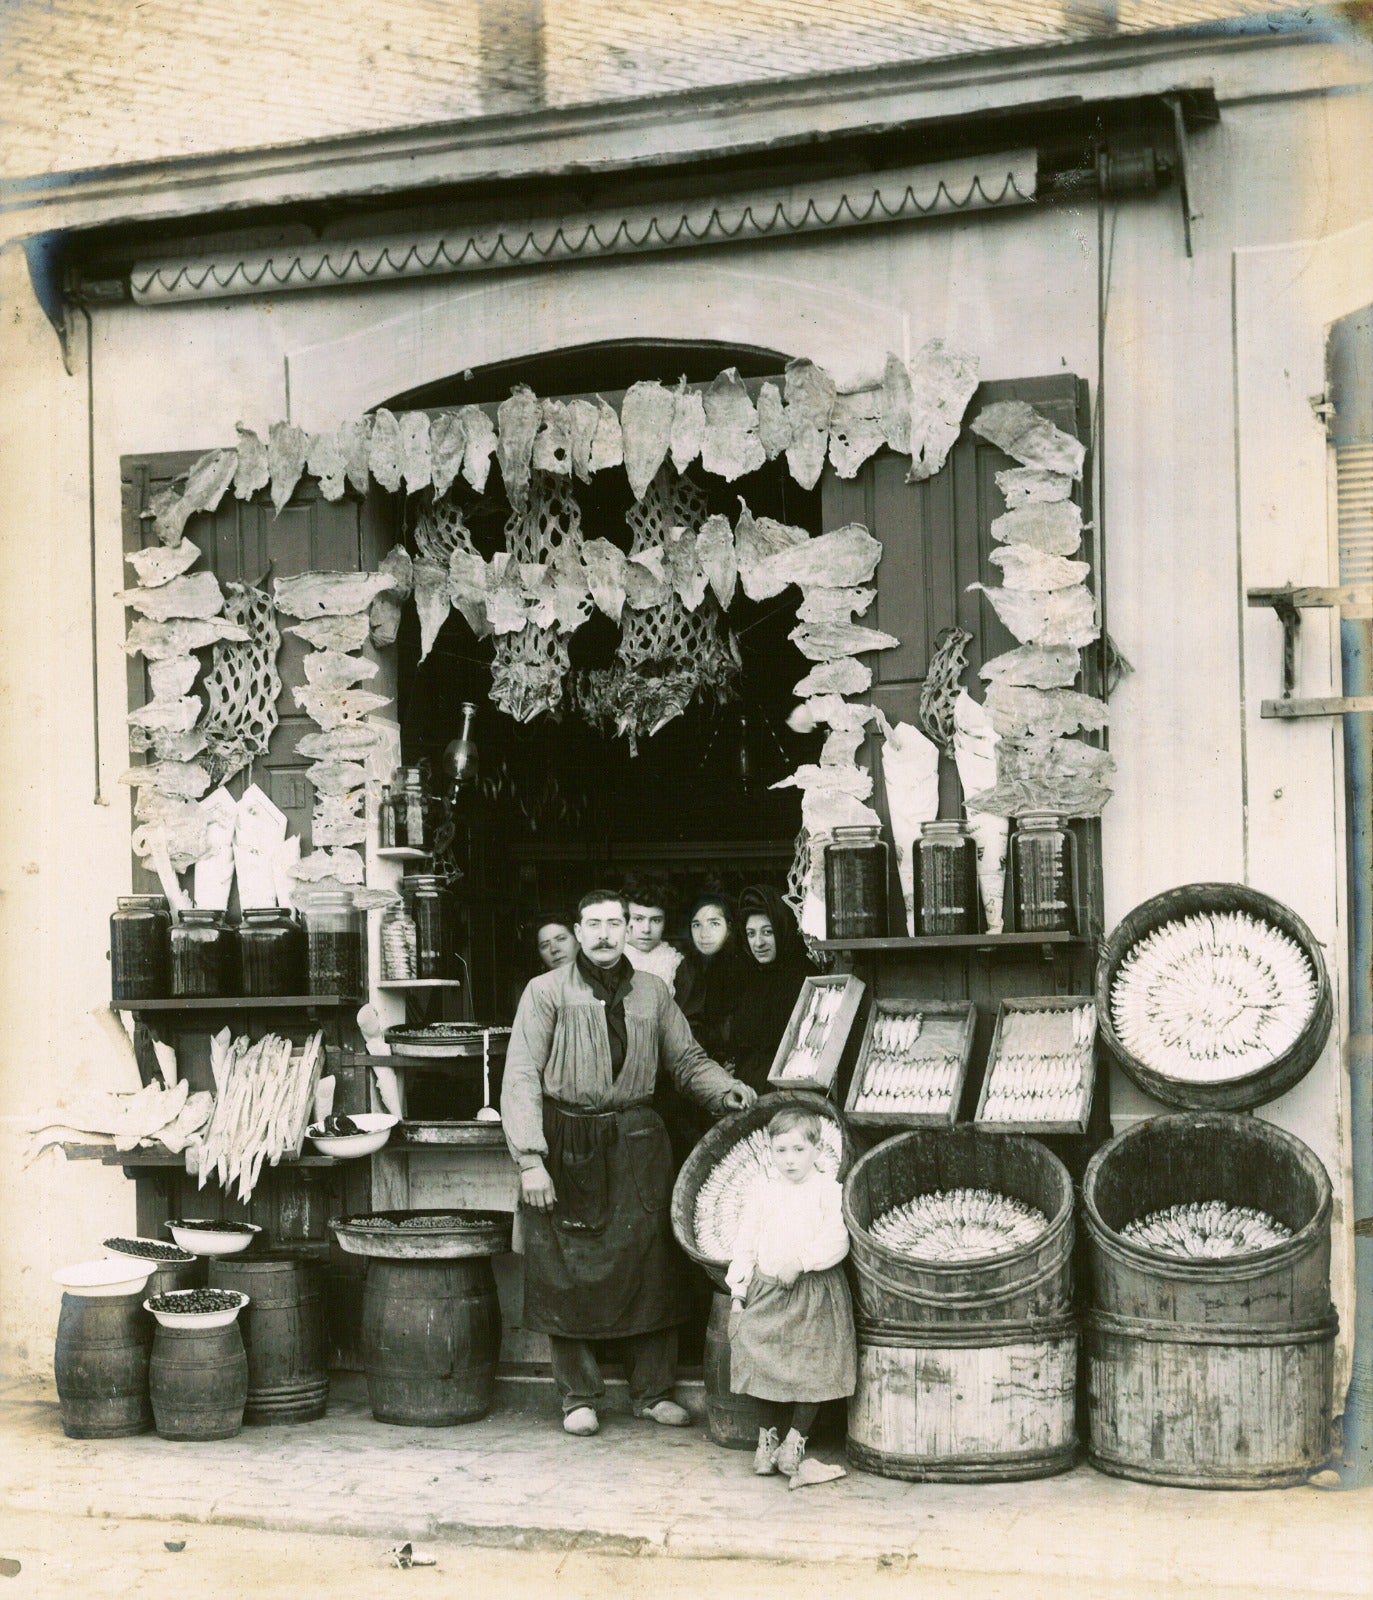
[(1354, 603)]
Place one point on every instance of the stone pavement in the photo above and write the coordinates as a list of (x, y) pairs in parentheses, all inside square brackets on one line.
[(515, 1481)]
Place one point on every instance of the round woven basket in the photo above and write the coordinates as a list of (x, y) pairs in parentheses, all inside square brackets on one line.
[(713, 1147), (1262, 1084)]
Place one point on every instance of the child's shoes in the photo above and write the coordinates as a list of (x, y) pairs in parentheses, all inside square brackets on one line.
[(765, 1456), (812, 1471), (790, 1453)]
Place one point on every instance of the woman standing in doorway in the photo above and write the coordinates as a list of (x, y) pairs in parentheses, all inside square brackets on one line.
[(709, 977), (774, 970)]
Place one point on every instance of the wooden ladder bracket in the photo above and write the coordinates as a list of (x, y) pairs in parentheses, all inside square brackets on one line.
[(1355, 604)]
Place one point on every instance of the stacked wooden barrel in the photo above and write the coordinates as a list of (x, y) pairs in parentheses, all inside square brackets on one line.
[(101, 1364), (198, 1379), (283, 1334), (967, 1371)]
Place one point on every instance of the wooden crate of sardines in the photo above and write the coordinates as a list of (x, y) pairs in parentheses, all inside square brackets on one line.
[(912, 1064), (1041, 1068), (822, 1019)]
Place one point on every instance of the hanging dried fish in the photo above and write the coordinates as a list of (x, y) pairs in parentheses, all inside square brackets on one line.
[(855, 430), (1024, 567), (774, 431), (896, 400), (186, 780), (414, 450), (337, 778), (332, 707), (607, 445), (328, 594), (173, 677), (731, 448), (480, 434), (715, 547), (755, 540), (166, 716), (1034, 666), (1036, 616), (583, 417), (252, 470), (195, 596), (384, 449), (941, 686), (431, 601), (350, 740), (1029, 438), (605, 572), (1055, 527), (329, 866), (286, 447), (826, 641), (1025, 486), (553, 441), (355, 444), (517, 422), (159, 564), (158, 641), (844, 676), (325, 460), (834, 605), (646, 415), (1065, 776), (447, 442), (942, 383), (839, 559), (810, 396), (348, 632), (684, 570), (332, 669), (1016, 712), (688, 426)]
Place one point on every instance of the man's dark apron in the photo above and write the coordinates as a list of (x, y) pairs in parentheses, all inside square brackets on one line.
[(602, 1264)]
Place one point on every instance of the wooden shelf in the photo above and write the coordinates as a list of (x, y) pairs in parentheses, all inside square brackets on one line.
[(253, 1002), (389, 984), (110, 1157), (444, 1135), (403, 852), (959, 941), (400, 1063)]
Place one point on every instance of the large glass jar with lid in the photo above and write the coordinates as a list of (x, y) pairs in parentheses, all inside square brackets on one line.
[(946, 879), (140, 948), (1043, 871), (856, 884), (204, 955), (272, 952), (333, 933), (426, 901), (412, 822)]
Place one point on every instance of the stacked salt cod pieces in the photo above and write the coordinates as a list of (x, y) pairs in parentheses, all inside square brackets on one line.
[(263, 1096), (913, 1065), (720, 1199), (958, 1225), (1042, 1069)]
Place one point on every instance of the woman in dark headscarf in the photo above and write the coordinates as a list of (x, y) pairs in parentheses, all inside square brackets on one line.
[(774, 970), (713, 967)]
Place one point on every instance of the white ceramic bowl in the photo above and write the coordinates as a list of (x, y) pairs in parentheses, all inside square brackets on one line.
[(197, 1319), (111, 1275), (206, 1242), (376, 1130), (152, 1261)]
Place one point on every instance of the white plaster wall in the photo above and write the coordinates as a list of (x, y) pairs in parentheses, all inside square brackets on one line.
[(1018, 289)]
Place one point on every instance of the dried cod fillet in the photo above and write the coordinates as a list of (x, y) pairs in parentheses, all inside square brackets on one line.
[(1029, 438), (384, 449), (688, 432), (167, 716), (431, 601), (195, 595), (1026, 486), (826, 641), (160, 563), (646, 414), (834, 605), (838, 560), (646, 582), (383, 620), (170, 746), (252, 470), (328, 594), (343, 866), (685, 573), (841, 747), (347, 632), (553, 441), (732, 448), (942, 383), (897, 397), (833, 711), (605, 573), (583, 416), (480, 433), (172, 677), (355, 443), (607, 446), (1055, 527), (151, 805), (286, 447), (850, 781), (332, 669), (187, 780), (1024, 567), (414, 450), (186, 839), (844, 676), (1016, 712), (397, 565), (355, 739), (755, 541), (330, 708), (855, 430), (337, 778), (468, 579), (447, 442), (507, 604), (715, 546), (517, 422), (810, 394), (324, 459), (1034, 666), (774, 431), (158, 641), (1035, 616), (561, 595), (1064, 776)]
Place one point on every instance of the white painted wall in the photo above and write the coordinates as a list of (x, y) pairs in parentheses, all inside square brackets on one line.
[(1189, 521)]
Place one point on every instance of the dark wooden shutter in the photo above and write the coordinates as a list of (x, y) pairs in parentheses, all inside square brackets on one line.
[(245, 541)]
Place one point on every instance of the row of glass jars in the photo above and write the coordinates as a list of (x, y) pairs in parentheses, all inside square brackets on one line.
[(198, 954), (415, 935), (1042, 874)]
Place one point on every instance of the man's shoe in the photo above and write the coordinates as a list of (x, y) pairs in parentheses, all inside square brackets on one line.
[(668, 1413), (765, 1456), (582, 1422)]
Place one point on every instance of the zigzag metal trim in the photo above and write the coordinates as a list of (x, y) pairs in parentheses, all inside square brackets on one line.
[(974, 185)]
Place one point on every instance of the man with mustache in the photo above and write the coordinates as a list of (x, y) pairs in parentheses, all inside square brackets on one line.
[(596, 1166)]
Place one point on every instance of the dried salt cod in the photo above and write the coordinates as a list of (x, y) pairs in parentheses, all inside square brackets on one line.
[(1029, 438), (844, 676), (195, 595), (328, 594), (942, 383), (328, 830), (170, 746), (685, 573), (834, 605), (480, 433), (1034, 666), (688, 426), (755, 541), (324, 459), (206, 484), (646, 414), (855, 430), (582, 419), (1036, 616), (810, 393), (851, 781), (731, 448), (397, 565), (188, 780), (158, 641), (349, 739), (517, 422), (151, 806), (414, 450), (330, 708), (561, 596), (332, 669), (468, 578), (605, 572), (355, 442), (823, 810), (1024, 567), (839, 560), (286, 448), (431, 601), (553, 441), (384, 449), (320, 866), (646, 582), (774, 431), (841, 747), (896, 397), (1055, 528), (1026, 486), (185, 839), (337, 778), (607, 446), (166, 716), (1017, 712), (825, 641), (1065, 776), (507, 605), (160, 563), (172, 677), (447, 442), (832, 711), (252, 471), (715, 547), (347, 632)]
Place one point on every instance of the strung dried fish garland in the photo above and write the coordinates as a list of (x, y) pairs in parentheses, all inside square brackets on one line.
[(1043, 1065), (958, 1225), (720, 1199), (242, 686), (913, 1064), (812, 1037), (1212, 996), (531, 664), (941, 686), (1209, 1230)]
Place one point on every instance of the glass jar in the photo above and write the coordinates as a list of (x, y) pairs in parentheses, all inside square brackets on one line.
[(140, 948), (856, 884), (333, 933), (410, 808), (425, 899), (272, 952), (1043, 872), (386, 820), (398, 942), (204, 955), (946, 879)]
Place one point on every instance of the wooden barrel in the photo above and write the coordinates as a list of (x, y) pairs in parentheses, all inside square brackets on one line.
[(967, 1371), (199, 1382), (283, 1334), (1209, 1373), (732, 1420), (175, 1275), (431, 1337), (101, 1365)]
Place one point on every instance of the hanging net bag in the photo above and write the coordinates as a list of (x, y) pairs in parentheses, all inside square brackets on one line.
[(440, 529)]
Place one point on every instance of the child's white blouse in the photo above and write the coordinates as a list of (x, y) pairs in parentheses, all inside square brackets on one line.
[(785, 1227)]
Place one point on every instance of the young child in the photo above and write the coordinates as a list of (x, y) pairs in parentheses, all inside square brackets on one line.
[(791, 1325)]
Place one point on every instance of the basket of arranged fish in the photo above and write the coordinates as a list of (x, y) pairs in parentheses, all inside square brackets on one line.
[(911, 1064), (812, 1048), (1214, 997), (1041, 1068), (727, 1161)]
